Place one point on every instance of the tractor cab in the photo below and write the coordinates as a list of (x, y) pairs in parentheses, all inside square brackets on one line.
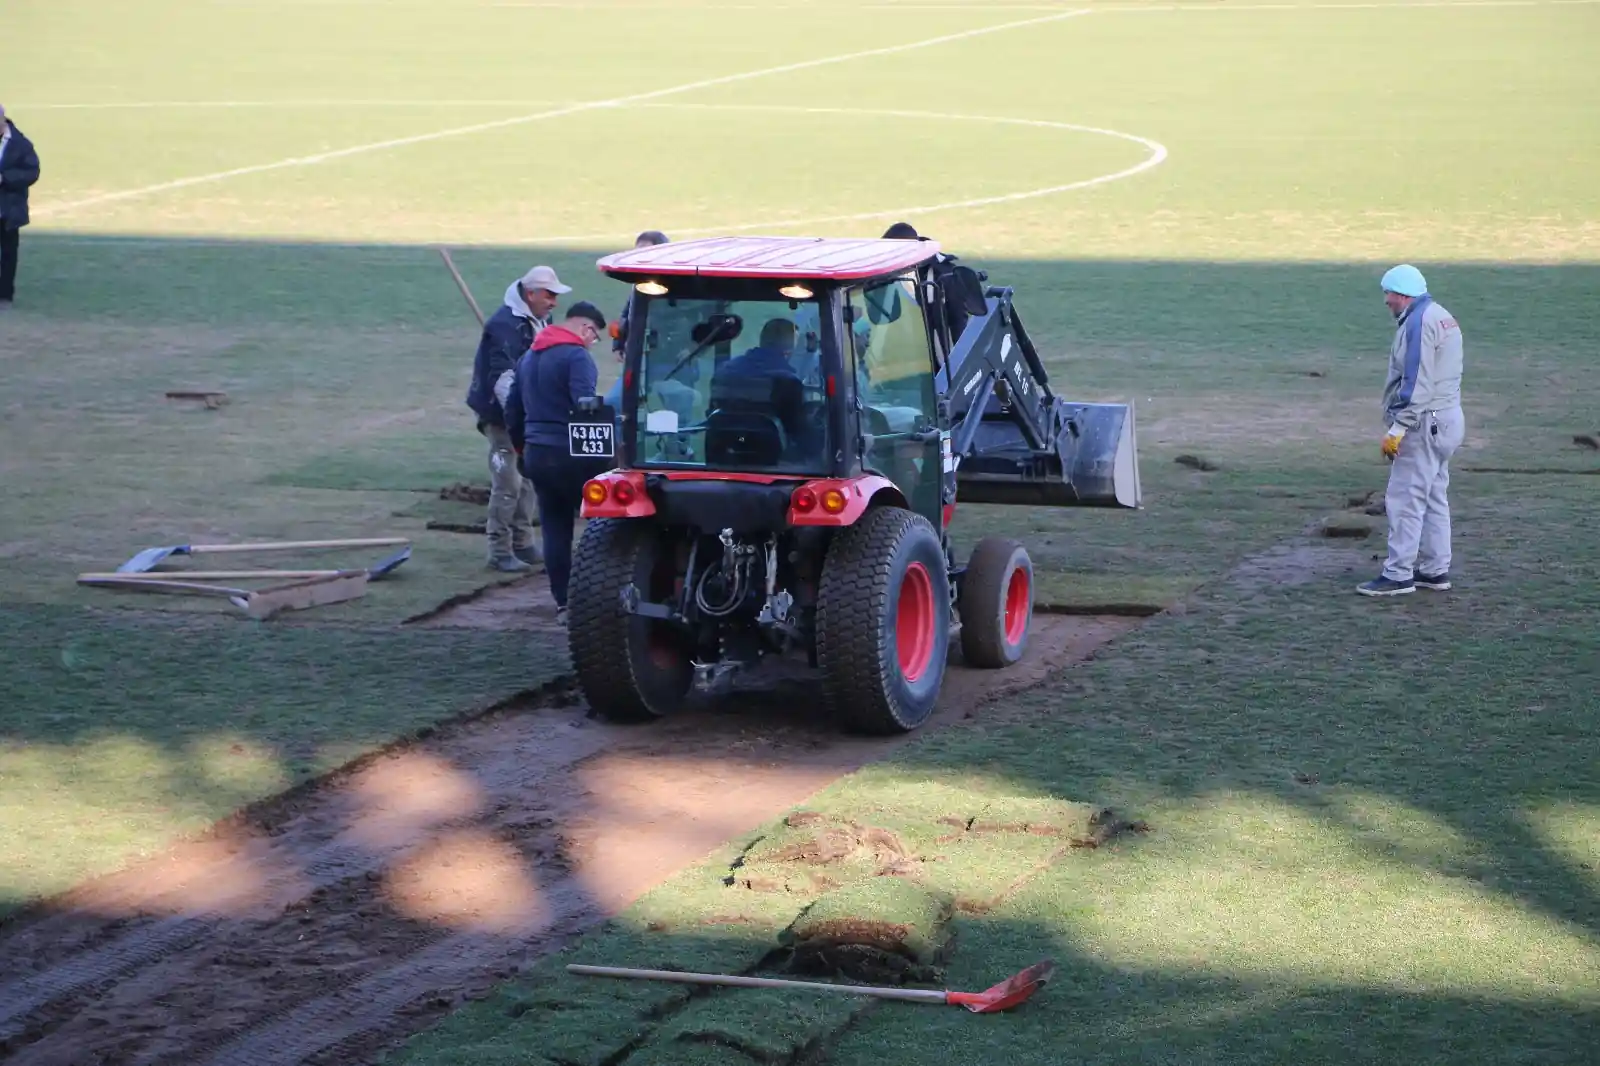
[(802, 365)]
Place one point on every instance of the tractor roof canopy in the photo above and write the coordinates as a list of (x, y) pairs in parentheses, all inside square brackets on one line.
[(778, 258)]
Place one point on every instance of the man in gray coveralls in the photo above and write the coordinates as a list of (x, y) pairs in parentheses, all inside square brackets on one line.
[(1422, 407)]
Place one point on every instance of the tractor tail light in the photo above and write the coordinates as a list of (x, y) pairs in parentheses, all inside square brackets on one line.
[(622, 492), (833, 501), (803, 500), (595, 493)]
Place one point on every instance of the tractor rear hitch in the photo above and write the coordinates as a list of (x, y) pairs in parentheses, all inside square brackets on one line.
[(633, 603), (708, 676)]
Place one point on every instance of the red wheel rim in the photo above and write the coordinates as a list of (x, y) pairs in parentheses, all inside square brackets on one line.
[(913, 625), (1019, 599)]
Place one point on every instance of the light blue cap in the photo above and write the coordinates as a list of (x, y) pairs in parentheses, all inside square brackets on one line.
[(1404, 279)]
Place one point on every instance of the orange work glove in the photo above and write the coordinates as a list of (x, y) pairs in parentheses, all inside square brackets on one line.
[(1391, 443)]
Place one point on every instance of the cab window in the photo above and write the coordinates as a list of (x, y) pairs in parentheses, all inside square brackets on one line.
[(893, 364)]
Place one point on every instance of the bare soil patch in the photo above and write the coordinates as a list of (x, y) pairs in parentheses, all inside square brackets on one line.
[(1297, 564), (331, 922)]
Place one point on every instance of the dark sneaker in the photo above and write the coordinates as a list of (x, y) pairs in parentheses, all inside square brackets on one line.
[(1382, 586), (509, 564), (1437, 582), (533, 555)]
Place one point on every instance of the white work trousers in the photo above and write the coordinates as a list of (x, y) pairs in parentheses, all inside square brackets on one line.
[(1416, 501)]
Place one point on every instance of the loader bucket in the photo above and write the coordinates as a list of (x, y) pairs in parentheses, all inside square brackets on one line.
[(1100, 453), (1094, 461)]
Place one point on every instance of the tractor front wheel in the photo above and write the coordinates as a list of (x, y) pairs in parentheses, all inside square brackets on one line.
[(996, 603), (883, 621), (630, 668)]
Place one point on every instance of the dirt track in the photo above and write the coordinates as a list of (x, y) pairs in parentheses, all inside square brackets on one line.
[(343, 917)]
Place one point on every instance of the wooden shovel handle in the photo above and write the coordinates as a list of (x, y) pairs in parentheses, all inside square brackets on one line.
[(296, 545), (912, 995), (124, 581), (211, 575)]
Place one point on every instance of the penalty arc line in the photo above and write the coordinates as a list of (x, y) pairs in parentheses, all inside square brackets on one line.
[(1158, 155), (48, 210)]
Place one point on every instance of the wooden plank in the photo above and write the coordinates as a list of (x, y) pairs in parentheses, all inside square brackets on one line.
[(300, 595)]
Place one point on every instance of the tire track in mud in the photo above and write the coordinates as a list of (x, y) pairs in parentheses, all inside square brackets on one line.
[(384, 896), (286, 878), (357, 1008), (141, 947)]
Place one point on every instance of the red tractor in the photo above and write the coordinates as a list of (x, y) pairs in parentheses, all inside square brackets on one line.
[(798, 418)]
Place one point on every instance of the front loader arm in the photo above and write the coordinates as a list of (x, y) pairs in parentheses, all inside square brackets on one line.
[(1014, 441)]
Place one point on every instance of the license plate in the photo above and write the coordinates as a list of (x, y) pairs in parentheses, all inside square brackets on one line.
[(591, 440)]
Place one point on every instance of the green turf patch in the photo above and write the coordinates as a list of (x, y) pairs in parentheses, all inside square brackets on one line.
[(402, 462), (1079, 593), (890, 925), (122, 733), (434, 512), (736, 1027)]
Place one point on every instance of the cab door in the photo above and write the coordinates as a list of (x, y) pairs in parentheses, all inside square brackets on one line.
[(898, 400)]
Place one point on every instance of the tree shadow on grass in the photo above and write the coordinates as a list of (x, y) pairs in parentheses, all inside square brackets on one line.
[(1465, 710), (1091, 1010)]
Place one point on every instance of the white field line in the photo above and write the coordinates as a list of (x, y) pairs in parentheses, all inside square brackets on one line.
[(1358, 5), (1158, 155), (140, 105), (924, 5), (483, 127)]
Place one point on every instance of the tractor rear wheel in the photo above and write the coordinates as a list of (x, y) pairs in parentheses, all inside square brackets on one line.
[(630, 668), (883, 621), (996, 603)]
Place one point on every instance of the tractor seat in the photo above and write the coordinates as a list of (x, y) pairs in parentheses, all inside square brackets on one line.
[(744, 438)]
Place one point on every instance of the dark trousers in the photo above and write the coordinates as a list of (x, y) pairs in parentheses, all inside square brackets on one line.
[(8, 260), (558, 487)]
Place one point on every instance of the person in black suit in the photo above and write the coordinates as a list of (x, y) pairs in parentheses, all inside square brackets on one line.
[(19, 169)]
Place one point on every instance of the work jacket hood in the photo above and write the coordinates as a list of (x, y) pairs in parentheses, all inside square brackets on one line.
[(519, 306), (551, 336)]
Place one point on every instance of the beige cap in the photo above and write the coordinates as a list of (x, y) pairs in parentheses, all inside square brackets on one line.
[(543, 277)]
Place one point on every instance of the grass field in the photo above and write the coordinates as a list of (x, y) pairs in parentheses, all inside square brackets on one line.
[(1374, 824)]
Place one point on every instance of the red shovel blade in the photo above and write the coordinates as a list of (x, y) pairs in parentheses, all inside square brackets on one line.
[(1007, 994)]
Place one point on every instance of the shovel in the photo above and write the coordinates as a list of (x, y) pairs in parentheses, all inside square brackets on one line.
[(151, 557), (1009, 993), (374, 572)]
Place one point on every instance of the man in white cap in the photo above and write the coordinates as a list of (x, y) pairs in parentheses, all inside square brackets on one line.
[(529, 306), (1422, 408)]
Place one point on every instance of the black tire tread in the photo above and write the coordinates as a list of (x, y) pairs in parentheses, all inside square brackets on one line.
[(597, 630), (852, 605), (983, 638)]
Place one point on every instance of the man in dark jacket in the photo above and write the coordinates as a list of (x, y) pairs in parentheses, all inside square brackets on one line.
[(943, 266), (553, 378), (508, 333), (19, 169)]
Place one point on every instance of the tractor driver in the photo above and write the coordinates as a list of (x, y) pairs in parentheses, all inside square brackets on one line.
[(764, 375)]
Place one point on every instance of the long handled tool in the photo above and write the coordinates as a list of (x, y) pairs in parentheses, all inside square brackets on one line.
[(150, 557), (1009, 993), (374, 572), (334, 587), (461, 283)]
